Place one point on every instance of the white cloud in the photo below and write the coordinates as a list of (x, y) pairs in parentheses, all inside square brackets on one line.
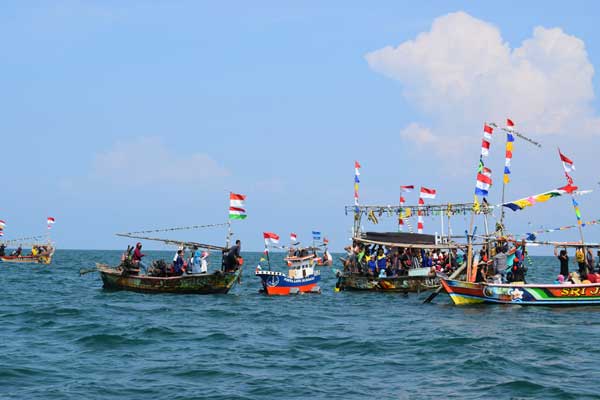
[(426, 140), (147, 160), (462, 70)]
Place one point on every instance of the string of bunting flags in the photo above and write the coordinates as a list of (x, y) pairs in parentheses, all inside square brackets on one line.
[(356, 181)]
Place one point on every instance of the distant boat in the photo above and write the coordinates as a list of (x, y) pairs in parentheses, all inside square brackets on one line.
[(44, 257), (301, 278)]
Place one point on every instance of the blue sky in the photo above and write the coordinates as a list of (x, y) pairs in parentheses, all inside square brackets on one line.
[(121, 116)]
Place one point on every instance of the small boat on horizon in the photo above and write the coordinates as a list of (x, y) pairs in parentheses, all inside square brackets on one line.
[(40, 254)]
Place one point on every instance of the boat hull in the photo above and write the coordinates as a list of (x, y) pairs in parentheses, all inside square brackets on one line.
[(215, 283), (27, 259), (275, 284), (401, 284), (465, 293)]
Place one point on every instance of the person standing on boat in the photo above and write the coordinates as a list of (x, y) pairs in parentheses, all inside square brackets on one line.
[(137, 258), (195, 261), (580, 258), (178, 263), (232, 259), (499, 263), (2, 250), (563, 258), (589, 260)]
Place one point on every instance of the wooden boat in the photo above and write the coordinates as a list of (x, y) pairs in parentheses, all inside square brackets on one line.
[(417, 280), (214, 283), (463, 293), (43, 258), (302, 277)]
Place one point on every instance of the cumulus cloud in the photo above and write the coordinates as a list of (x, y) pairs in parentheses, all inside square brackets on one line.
[(147, 160), (462, 70), (424, 138)]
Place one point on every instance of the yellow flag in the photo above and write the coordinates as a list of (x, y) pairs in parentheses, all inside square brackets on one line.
[(476, 207)]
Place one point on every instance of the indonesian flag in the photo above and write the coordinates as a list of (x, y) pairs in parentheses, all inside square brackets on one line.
[(271, 238), (407, 189), (325, 241), (487, 132), (567, 163), (51, 222), (293, 238), (357, 167), (427, 193), (484, 181), (510, 125), (485, 147), (237, 206)]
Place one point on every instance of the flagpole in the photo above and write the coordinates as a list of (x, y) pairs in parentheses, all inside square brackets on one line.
[(502, 209), (268, 258), (574, 202)]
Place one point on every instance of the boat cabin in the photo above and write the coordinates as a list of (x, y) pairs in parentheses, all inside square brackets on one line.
[(301, 267)]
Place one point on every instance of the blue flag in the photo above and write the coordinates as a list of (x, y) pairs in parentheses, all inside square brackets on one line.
[(316, 235)]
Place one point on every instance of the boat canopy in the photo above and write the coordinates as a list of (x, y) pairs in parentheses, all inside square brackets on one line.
[(403, 239)]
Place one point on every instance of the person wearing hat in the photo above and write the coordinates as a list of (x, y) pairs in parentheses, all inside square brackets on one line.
[(137, 258)]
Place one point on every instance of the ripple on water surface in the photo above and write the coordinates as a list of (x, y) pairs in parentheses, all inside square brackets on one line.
[(63, 337)]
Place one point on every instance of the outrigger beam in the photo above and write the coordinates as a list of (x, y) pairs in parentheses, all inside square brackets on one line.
[(175, 242), (516, 133)]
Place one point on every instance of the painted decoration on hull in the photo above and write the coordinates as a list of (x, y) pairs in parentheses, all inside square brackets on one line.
[(524, 294)]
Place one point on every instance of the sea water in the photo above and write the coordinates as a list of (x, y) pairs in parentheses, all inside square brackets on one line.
[(63, 337)]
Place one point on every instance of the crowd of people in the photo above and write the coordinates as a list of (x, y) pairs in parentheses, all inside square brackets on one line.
[(502, 264), (384, 261), (36, 250), (195, 262), (588, 270)]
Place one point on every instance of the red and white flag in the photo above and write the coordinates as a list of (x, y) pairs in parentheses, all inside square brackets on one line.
[(510, 125), (427, 193), (485, 147), (325, 241), (51, 222), (407, 189), (271, 238), (487, 132), (293, 238), (567, 163)]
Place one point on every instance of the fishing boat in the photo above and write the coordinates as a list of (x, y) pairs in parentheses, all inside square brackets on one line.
[(218, 282), (474, 289), (301, 278), (415, 280), (44, 256), (182, 276), (465, 293)]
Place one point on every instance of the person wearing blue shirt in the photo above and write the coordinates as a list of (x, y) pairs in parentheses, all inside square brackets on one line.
[(178, 263)]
